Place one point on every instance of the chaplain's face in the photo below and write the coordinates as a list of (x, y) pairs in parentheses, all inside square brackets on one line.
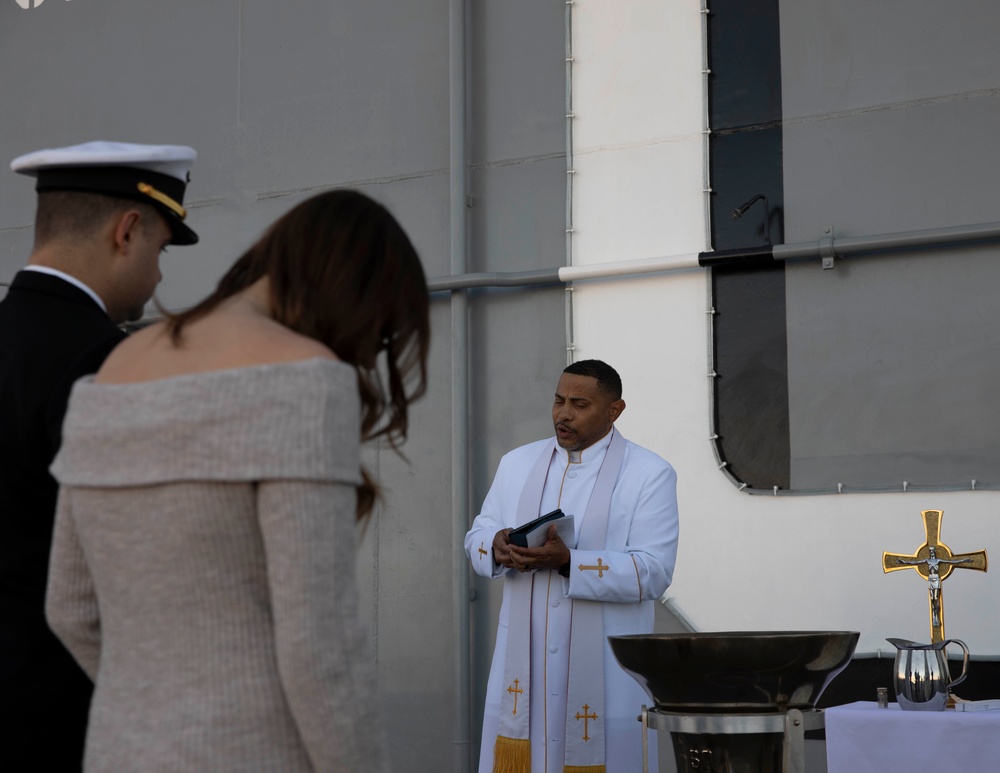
[(581, 413)]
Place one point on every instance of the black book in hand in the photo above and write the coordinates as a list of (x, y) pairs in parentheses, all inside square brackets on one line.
[(534, 533)]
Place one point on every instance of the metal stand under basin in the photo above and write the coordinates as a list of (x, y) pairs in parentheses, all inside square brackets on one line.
[(771, 742)]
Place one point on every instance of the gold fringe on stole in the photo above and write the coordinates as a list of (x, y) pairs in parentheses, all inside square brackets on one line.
[(583, 769), (512, 755)]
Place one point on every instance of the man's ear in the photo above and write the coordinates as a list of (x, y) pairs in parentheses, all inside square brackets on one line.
[(124, 229), (616, 409)]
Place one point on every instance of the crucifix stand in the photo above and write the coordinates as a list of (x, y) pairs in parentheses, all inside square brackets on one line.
[(934, 561)]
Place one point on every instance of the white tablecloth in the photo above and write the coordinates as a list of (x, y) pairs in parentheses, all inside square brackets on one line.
[(862, 738)]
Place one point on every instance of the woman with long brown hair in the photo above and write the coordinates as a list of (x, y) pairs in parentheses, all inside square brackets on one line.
[(203, 561)]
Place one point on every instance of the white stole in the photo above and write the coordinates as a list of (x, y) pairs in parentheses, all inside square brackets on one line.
[(585, 747)]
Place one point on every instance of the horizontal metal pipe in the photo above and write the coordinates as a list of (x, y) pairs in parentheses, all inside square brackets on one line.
[(735, 257), (565, 273), (629, 267), (497, 279), (800, 250), (854, 245)]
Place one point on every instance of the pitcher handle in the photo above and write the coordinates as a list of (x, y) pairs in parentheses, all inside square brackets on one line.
[(965, 660)]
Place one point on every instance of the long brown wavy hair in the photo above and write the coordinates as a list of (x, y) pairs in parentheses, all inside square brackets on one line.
[(343, 271)]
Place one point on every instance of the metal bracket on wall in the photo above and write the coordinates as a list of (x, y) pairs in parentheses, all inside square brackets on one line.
[(826, 253)]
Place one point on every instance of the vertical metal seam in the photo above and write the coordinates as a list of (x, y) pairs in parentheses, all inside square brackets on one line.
[(706, 128), (461, 602), (707, 208), (570, 172)]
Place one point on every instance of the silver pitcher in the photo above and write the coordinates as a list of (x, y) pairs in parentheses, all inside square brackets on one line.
[(922, 676)]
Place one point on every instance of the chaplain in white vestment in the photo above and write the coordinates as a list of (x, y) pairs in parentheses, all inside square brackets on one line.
[(557, 700)]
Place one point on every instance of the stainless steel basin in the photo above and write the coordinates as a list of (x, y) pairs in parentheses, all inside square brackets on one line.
[(738, 671)]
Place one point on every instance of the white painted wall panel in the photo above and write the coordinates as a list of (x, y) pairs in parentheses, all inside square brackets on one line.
[(745, 562)]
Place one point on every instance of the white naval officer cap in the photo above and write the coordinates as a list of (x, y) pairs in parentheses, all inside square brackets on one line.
[(153, 174)]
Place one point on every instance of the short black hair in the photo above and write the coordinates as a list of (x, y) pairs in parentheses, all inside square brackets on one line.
[(608, 380), (81, 214)]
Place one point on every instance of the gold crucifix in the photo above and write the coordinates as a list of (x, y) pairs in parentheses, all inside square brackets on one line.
[(934, 562), (516, 690), (586, 717), (601, 568)]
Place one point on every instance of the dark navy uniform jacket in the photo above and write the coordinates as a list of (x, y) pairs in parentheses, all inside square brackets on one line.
[(51, 333)]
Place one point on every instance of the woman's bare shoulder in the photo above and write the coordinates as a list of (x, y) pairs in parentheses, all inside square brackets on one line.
[(131, 357), (219, 341)]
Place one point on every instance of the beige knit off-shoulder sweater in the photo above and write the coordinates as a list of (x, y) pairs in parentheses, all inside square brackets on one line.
[(203, 571)]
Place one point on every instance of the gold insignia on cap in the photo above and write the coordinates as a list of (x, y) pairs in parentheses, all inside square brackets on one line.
[(163, 198)]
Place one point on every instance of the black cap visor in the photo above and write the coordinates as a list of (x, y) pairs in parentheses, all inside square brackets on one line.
[(164, 192)]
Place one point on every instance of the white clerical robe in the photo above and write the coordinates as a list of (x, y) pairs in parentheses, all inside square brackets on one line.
[(641, 549)]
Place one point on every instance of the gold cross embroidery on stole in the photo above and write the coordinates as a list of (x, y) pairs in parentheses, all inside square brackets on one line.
[(516, 690), (586, 717)]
